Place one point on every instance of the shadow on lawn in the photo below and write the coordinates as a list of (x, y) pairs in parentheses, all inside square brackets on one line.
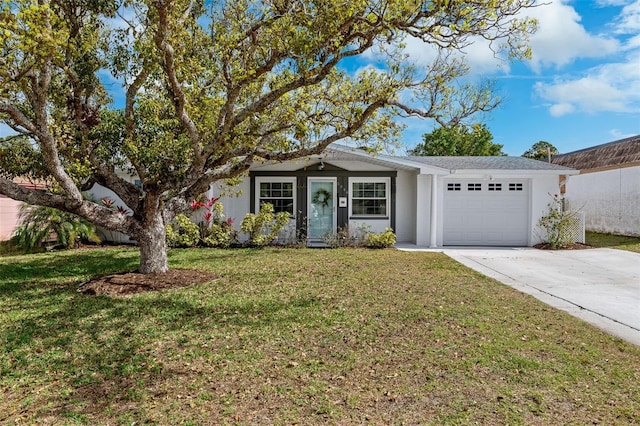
[(102, 350)]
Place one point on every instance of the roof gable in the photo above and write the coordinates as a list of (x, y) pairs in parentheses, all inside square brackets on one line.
[(609, 155)]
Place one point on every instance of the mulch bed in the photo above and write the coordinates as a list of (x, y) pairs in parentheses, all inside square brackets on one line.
[(574, 246), (128, 283)]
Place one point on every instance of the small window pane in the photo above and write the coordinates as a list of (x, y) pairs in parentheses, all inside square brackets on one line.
[(369, 198), (453, 187), (474, 187), (279, 194)]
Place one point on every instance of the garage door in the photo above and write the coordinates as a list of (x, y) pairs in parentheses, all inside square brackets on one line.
[(486, 212)]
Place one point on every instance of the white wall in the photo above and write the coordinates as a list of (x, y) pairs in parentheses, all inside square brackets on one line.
[(406, 207), (236, 201), (422, 210), (543, 188), (9, 216), (610, 200)]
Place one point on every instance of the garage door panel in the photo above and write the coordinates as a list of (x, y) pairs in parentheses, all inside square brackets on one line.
[(483, 217)]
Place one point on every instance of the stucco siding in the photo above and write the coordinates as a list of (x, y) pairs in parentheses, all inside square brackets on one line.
[(406, 207), (9, 216), (543, 188), (236, 202), (610, 200)]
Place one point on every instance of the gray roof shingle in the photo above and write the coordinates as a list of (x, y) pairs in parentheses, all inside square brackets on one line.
[(486, 163)]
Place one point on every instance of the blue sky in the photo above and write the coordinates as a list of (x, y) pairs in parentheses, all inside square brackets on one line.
[(581, 88)]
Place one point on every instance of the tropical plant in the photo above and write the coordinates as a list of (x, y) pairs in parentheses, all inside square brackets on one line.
[(265, 226), (212, 230), (182, 232), (39, 224), (384, 239)]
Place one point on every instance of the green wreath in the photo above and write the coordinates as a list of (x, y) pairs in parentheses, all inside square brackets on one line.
[(321, 197)]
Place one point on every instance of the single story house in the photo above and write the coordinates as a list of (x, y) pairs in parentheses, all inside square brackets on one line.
[(427, 201), (607, 189)]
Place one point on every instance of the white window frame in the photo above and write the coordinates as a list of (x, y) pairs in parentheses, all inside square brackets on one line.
[(275, 179), (386, 181)]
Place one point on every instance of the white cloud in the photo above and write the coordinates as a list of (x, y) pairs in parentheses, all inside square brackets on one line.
[(613, 87), (560, 109), (617, 134), (610, 87), (478, 55), (561, 38), (629, 20)]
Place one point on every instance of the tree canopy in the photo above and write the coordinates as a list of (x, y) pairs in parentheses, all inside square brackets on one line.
[(458, 140), (212, 87), (541, 150)]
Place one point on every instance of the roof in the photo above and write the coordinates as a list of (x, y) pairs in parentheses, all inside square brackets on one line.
[(488, 163), (609, 155)]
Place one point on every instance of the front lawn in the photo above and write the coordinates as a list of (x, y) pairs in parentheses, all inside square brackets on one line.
[(613, 241), (285, 336)]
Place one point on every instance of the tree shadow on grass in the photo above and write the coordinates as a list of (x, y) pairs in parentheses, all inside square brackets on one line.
[(101, 350)]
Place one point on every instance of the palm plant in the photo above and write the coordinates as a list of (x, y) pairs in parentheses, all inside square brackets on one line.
[(39, 223)]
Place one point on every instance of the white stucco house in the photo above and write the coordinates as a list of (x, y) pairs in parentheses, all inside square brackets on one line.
[(427, 201), (607, 189)]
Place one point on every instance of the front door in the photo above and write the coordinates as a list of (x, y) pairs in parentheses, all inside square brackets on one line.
[(322, 208)]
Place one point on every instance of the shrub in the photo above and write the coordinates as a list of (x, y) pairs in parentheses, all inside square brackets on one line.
[(346, 237), (212, 231), (182, 232), (39, 223), (264, 227), (216, 231), (556, 225), (381, 240)]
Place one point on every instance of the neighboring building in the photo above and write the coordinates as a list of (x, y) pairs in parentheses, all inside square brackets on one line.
[(9, 216), (10, 212), (607, 189)]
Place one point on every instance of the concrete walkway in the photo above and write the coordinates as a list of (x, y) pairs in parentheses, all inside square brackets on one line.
[(600, 286)]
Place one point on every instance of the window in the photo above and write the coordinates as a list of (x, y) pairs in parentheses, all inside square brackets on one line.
[(495, 187), (515, 187), (279, 192), (453, 187), (474, 187), (370, 198)]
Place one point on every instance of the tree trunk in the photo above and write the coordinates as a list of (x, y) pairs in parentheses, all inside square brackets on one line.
[(153, 246)]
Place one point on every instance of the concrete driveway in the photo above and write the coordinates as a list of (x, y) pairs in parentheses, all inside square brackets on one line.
[(600, 286)]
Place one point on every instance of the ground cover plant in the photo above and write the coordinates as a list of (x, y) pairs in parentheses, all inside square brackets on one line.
[(613, 241), (281, 336)]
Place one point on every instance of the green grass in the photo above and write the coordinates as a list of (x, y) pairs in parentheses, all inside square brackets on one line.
[(286, 336), (613, 241)]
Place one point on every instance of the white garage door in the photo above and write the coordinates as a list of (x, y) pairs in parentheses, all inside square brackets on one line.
[(486, 212)]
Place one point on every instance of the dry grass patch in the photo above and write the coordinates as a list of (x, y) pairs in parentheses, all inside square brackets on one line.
[(300, 337)]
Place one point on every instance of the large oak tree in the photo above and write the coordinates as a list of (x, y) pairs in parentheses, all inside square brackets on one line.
[(212, 87)]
